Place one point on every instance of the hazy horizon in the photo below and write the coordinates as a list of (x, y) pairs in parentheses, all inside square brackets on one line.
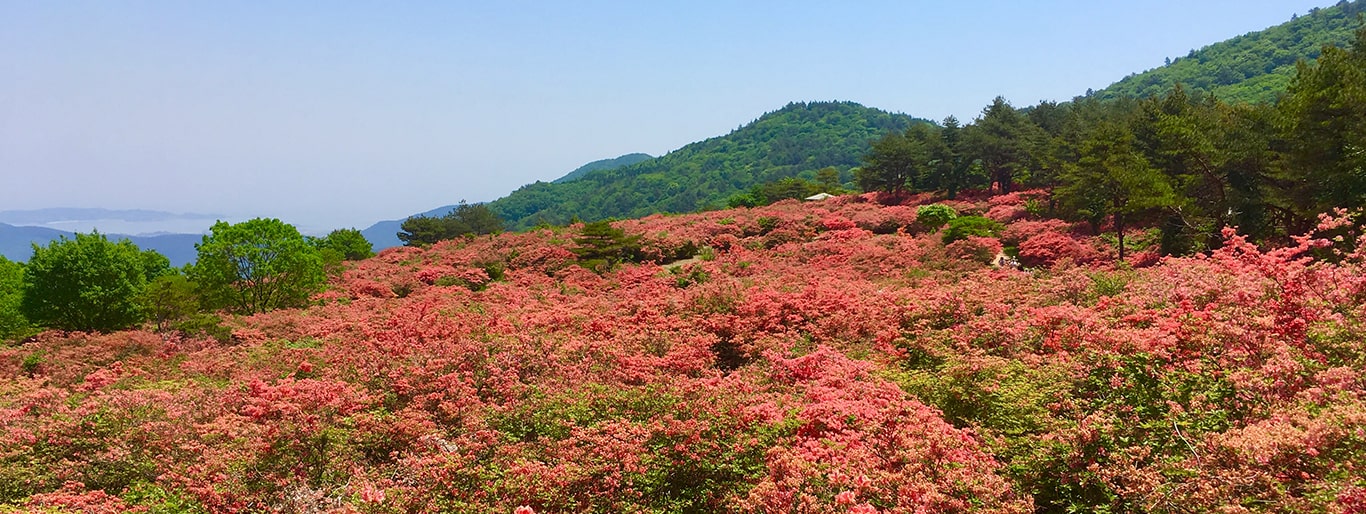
[(362, 113)]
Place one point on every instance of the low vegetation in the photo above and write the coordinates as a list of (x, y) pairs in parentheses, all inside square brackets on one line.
[(829, 356)]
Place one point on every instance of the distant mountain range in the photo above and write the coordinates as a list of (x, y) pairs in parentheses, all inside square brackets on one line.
[(66, 214), (1254, 67), (16, 243)]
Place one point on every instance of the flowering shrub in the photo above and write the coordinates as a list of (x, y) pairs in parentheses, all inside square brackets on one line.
[(820, 358), (1048, 248), (1007, 213), (976, 249), (1019, 231)]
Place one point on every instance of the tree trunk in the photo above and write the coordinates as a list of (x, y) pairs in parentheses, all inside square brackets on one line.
[(1119, 229)]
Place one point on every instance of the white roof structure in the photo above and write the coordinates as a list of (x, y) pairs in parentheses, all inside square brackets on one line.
[(818, 197)]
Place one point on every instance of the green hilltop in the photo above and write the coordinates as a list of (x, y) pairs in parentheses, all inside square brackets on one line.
[(604, 164), (1251, 68), (793, 141)]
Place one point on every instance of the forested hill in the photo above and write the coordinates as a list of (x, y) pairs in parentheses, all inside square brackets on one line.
[(604, 164), (1254, 67), (795, 140)]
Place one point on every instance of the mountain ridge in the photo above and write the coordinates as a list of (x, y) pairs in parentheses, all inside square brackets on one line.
[(604, 164), (1251, 68), (801, 137)]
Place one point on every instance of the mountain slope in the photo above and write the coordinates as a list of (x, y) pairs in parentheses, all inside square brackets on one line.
[(1254, 67), (605, 164), (801, 137), (16, 243)]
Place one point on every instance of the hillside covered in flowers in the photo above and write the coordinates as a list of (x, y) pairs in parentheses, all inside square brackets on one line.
[(822, 357)]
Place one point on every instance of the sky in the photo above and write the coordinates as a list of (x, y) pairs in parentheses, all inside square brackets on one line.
[(340, 114)]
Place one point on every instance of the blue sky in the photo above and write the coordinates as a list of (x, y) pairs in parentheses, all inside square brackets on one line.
[(340, 114)]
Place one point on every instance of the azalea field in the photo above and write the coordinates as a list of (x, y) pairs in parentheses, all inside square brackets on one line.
[(824, 357)]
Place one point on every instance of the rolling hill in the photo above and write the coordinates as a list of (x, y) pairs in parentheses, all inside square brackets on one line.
[(1254, 67), (799, 138)]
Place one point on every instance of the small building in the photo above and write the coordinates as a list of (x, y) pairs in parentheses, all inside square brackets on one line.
[(818, 197)]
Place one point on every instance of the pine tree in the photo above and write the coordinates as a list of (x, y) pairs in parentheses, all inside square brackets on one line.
[(1112, 179)]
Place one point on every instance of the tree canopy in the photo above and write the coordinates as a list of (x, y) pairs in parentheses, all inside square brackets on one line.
[(898, 162), (168, 298), (465, 219), (601, 247), (256, 266), (347, 243), (13, 323), (88, 283), (1325, 128), (790, 188), (1113, 179), (1004, 142)]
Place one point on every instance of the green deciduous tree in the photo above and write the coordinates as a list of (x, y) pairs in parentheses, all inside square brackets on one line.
[(347, 242), (960, 228), (256, 266), (169, 298), (934, 216), (13, 323), (88, 283)]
